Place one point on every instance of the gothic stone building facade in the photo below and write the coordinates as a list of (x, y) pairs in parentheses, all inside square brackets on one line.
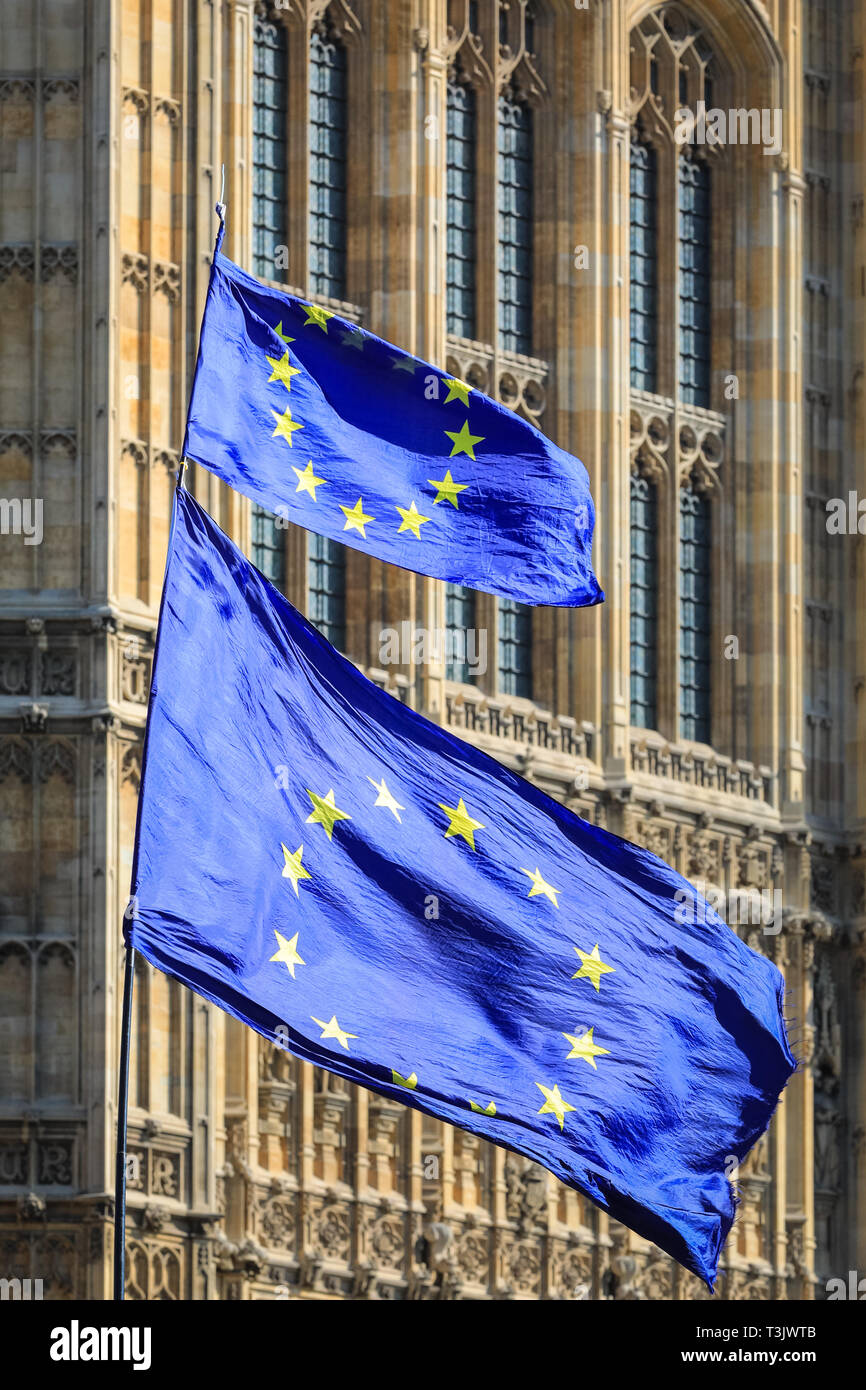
[(500, 188)]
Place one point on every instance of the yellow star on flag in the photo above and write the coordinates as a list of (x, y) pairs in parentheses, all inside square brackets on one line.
[(286, 426), (447, 489), (461, 823), (293, 868), (280, 334), (463, 441), (356, 518), (404, 364), (333, 1030), (288, 952), (307, 480), (325, 812), (483, 1109), (554, 1104), (317, 316), (410, 1082), (282, 370), (539, 886), (592, 967), (457, 390), (584, 1047), (385, 798), (412, 520)]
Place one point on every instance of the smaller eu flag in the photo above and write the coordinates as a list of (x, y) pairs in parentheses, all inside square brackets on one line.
[(392, 904), (326, 425)]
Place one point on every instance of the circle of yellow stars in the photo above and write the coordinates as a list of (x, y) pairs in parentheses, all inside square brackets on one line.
[(410, 519), (462, 825)]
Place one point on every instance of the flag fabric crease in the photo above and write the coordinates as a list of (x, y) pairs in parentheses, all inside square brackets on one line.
[(390, 903), (328, 426)]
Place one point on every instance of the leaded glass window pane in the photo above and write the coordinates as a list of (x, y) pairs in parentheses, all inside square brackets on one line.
[(459, 620), (644, 602), (643, 260), (326, 588), (328, 159), (695, 628), (514, 207), (694, 278), (270, 115), (460, 211), (269, 545), (515, 648)]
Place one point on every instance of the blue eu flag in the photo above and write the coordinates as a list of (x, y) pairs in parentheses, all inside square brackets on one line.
[(390, 903), (328, 426)]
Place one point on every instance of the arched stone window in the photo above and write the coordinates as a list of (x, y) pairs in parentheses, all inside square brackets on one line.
[(493, 92), (679, 332), (270, 155), (329, 134)]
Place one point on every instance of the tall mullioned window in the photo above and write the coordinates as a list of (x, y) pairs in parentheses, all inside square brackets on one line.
[(459, 620), (269, 546), (694, 281), (328, 160), (515, 648), (644, 602), (460, 148), (695, 598), (643, 257), (326, 588), (681, 322), (514, 181), (270, 159)]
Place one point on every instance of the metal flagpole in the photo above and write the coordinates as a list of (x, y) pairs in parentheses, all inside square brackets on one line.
[(120, 1160), (126, 1010)]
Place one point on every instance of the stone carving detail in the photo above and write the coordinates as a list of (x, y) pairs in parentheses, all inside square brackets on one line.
[(57, 760), (17, 88), (520, 381), (58, 673), (58, 443), (134, 676), (136, 98), (331, 1233), (277, 1218), (166, 279), (752, 863), (704, 853), (823, 896), (526, 1185), (16, 759), (135, 271), (13, 1164), (15, 671), (54, 1163), (165, 106), (473, 1256), (650, 437), (522, 1267), (137, 450), (61, 86), (169, 459), (130, 766), (165, 1174), (16, 441), (59, 260), (16, 260)]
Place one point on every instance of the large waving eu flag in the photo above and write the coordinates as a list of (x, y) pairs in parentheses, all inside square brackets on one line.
[(331, 427), (392, 904)]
